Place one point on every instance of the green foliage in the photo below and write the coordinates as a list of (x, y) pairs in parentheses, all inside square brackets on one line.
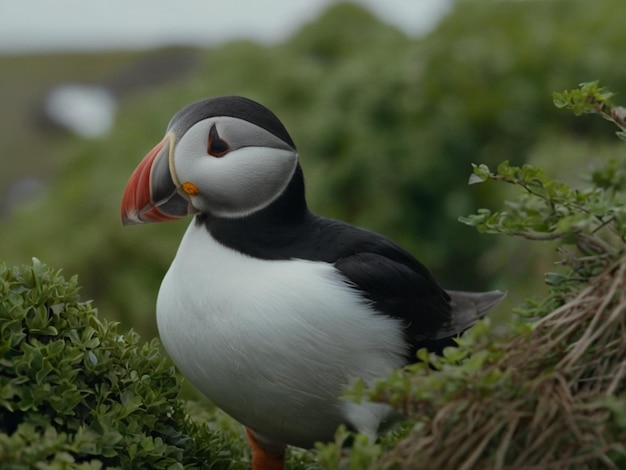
[(589, 98), (548, 209), (74, 393), (592, 99), (547, 393), (364, 453), (591, 220)]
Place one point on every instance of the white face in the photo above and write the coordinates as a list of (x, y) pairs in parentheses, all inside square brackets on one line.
[(235, 167)]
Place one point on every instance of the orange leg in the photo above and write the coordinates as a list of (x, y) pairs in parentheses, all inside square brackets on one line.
[(263, 459)]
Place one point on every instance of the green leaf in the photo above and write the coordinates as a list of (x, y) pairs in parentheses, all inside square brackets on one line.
[(480, 174)]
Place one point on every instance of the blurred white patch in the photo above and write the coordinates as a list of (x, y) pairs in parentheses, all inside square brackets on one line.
[(87, 111)]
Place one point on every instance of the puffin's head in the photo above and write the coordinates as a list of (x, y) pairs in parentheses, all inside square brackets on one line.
[(227, 156)]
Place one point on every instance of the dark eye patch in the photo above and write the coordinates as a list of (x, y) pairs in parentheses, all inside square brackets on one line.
[(217, 146)]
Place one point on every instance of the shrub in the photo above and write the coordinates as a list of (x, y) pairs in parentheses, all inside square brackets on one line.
[(74, 393)]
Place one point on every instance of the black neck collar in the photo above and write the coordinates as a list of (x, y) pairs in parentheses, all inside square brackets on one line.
[(264, 233)]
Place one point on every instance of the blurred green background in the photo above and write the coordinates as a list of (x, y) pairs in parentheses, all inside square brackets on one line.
[(387, 126)]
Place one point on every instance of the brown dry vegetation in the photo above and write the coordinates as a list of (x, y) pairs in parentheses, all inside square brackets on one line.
[(554, 406)]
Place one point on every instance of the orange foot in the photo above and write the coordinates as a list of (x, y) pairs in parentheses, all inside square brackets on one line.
[(263, 459)]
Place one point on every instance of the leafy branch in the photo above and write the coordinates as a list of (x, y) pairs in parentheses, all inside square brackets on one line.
[(590, 98), (592, 220)]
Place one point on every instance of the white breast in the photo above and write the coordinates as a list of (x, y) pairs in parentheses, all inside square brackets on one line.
[(274, 343)]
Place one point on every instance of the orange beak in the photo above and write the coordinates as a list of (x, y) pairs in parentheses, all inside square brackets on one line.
[(151, 194)]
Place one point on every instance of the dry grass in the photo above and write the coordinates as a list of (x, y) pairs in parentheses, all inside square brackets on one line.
[(560, 401)]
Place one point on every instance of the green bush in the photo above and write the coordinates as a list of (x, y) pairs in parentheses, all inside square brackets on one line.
[(74, 393)]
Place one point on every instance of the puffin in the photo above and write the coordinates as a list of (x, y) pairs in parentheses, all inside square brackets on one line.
[(270, 310)]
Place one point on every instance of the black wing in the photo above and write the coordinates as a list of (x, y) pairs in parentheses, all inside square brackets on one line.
[(400, 291), (391, 278)]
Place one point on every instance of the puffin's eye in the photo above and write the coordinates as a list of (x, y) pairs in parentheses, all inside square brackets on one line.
[(218, 147)]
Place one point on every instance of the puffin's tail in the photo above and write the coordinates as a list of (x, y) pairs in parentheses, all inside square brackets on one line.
[(468, 308)]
